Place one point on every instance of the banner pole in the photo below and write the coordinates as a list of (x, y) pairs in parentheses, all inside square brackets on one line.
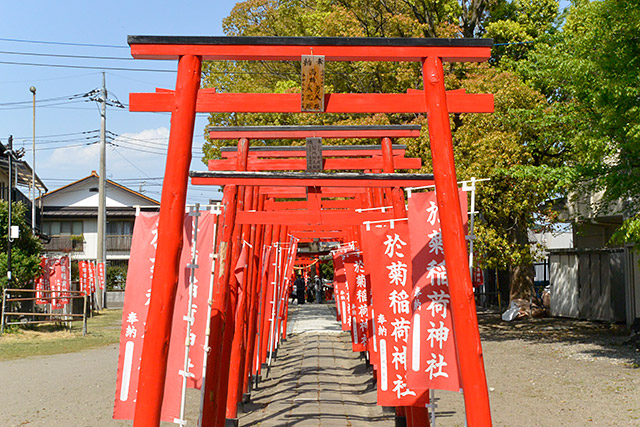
[(207, 348)]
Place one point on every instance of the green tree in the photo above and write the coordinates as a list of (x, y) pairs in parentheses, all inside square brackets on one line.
[(515, 147), (116, 277), (520, 149), (591, 71), (25, 250)]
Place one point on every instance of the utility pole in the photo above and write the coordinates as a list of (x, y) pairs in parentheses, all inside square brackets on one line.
[(33, 166), (102, 214), (9, 197)]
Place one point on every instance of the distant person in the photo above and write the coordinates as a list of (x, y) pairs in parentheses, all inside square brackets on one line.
[(318, 286), (299, 289)]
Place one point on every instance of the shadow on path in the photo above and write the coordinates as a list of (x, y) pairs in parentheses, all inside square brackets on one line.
[(315, 379)]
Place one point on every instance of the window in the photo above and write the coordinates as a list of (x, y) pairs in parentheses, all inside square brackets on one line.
[(120, 228), (62, 228)]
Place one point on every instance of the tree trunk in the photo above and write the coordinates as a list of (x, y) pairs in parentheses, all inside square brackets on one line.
[(522, 275), (521, 282)]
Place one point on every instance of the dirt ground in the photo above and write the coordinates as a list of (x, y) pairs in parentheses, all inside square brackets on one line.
[(545, 372), (555, 372)]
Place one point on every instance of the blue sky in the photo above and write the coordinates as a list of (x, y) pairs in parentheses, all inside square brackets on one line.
[(64, 153), (60, 121)]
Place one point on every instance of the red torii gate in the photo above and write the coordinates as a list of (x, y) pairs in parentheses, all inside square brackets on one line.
[(187, 99), (287, 157)]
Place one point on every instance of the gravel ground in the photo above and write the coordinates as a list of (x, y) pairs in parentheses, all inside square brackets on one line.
[(555, 372), (546, 372)]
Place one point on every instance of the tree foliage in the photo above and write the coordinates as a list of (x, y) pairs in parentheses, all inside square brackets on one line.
[(25, 250), (591, 72), (516, 147)]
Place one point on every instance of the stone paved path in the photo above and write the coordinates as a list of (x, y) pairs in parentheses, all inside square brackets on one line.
[(315, 380)]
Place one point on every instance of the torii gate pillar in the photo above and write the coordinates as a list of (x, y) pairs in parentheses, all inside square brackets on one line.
[(165, 278), (465, 320)]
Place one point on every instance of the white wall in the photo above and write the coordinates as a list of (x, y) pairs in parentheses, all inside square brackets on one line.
[(80, 196)]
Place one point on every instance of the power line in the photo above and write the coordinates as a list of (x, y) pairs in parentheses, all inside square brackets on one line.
[(135, 149), (132, 164), (64, 43), (60, 55), (85, 67), (50, 105), (57, 98), (47, 79), (58, 135), (63, 147), (141, 142)]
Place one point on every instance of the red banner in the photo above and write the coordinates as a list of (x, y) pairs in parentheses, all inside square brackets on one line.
[(389, 263), (100, 274), (81, 282), (372, 339), (266, 296), (56, 284), (342, 290), (432, 352), (478, 277), (41, 297), (359, 299), (83, 273), (199, 300), (137, 298), (134, 312), (91, 267), (53, 283), (65, 276), (270, 309)]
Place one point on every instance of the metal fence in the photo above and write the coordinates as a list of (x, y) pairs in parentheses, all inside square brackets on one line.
[(12, 296)]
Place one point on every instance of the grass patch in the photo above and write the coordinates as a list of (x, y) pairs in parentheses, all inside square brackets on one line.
[(102, 329)]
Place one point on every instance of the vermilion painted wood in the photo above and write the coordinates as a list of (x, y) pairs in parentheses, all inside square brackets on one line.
[(327, 151), (282, 297), (318, 180), (389, 166), (218, 307), (301, 164), (326, 204), (340, 239), (332, 218), (221, 392), (267, 306), (301, 192), (467, 337), (285, 298), (314, 206), (236, 362), (338, 48), (232, 292), (153, 363), (262, 324), (264, 50), (302, 132), (319, 228), (221, 333), (333, 102), (320, 235), (230, 318), (257, 236)]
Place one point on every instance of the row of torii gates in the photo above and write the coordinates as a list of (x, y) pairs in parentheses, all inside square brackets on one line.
[(255, 177)]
